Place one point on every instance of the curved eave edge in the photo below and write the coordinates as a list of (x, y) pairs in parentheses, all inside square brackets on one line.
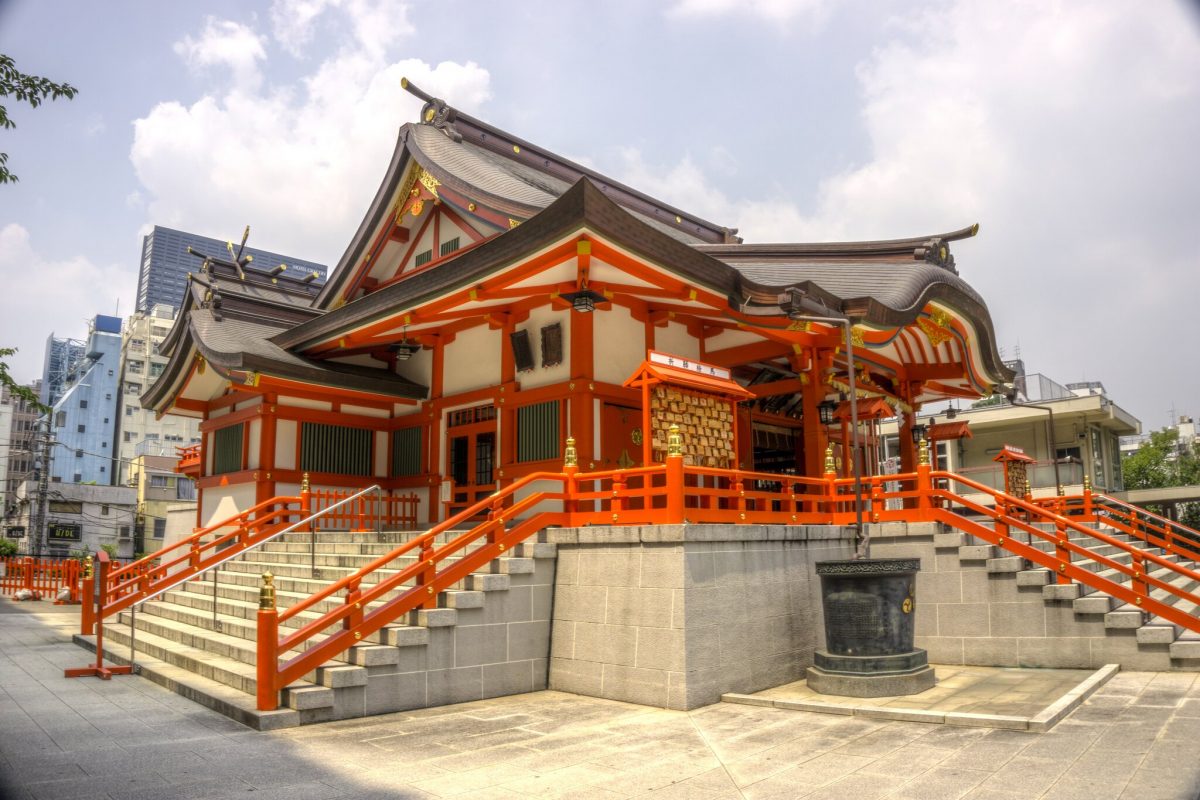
[(583, 207)]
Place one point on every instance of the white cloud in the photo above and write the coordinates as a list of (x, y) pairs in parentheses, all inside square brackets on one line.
[(1068, 131), (224, 43), (778, 11), (374, 24), (64, 293), (299, 163)]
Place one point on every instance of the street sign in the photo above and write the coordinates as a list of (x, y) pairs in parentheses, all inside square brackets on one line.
[(15, 532), (64, 532)]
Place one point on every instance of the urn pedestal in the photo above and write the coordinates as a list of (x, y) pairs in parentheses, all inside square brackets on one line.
[(869, 607)]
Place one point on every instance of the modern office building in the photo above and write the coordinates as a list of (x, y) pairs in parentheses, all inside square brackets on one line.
[(18, 435), (140, 431), (62, 356), (166, 263), (84, 418)]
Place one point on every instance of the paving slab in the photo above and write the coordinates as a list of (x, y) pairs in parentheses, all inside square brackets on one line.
[(989, 697), (130, 739)]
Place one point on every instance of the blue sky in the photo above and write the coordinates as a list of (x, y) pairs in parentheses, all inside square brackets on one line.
[(1066, 130)]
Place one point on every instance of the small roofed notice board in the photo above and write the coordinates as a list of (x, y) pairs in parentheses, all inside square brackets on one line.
[(700, 398), (1014, 461)]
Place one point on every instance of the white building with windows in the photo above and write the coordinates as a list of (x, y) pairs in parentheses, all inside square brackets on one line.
[(138, 431)]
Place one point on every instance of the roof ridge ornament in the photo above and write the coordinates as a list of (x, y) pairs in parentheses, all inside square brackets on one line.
[(936, 250), (436, 111)]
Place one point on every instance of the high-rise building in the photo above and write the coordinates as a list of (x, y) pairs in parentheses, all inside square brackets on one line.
[(62, 356), (83, 421), (140, 432), (166, 264), (19, 439)]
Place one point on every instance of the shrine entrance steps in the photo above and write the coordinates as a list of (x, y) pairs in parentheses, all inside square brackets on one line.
[(489, 635), (979, 605)]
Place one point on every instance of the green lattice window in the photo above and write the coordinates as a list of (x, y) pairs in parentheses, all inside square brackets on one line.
[(406, 452), (335, 449), (538, 431), (227, 448)]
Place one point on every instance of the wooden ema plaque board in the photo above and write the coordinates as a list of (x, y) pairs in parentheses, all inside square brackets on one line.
[(705, 422), (700, 398)]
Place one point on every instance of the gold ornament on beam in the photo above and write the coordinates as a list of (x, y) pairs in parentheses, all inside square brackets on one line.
[(570, 455), (923, 453)]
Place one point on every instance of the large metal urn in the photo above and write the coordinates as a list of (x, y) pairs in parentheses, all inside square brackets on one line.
[(870, 606)]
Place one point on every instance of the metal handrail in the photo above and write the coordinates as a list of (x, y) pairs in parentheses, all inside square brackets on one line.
[(133, 606)]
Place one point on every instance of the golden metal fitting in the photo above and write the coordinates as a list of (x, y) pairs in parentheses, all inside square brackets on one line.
[(1087, 484), (570, 455), (829, 465), (304, 485), (923, 453), (87, 567), (266, 592), (674, 441), (1061, 491)]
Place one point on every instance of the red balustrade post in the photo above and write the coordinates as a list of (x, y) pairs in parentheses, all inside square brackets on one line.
[(617, 506), (87, 596), (1138, 583), (425, 576), (739, 496), (29, 575), (877, 504), (305, 497), (830, 478), (1088, 510), (268, 646), (924, 480), (570, 483), (674, 477), (354, 600), (1061, 552)]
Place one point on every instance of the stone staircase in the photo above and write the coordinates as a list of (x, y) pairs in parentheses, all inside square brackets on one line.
[(1077, 626), (489, 635)]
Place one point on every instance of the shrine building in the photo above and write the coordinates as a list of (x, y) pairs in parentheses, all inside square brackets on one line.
[(497, 299)]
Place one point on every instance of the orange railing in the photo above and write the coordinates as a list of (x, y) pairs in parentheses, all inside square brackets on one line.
[(44, 577), (189, 458), (388, 511), (171, 566)]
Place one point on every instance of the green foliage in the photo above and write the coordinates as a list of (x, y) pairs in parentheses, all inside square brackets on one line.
[(111, 549), (30, 89), (7, 548), (1161, 462), (994, 400), (24, 392)]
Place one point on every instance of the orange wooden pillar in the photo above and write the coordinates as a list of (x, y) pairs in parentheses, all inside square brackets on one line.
[(433, 429), (815, 438), (581, 423), (264, 485)]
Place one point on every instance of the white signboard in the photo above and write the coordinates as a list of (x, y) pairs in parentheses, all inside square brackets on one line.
[(679, 362)]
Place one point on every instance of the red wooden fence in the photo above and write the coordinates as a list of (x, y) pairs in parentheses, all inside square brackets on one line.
[(42, 576)]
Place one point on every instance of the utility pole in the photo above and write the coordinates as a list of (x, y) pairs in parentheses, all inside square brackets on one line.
[(42, 475)]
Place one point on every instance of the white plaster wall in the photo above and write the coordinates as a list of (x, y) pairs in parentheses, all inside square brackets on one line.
[(675, 339), (418, 368), (539, 375), (472, 361), (222, 502), (252, 453), (619, 345), (731, 339), (303, 402), (285, 444), (364, 411)]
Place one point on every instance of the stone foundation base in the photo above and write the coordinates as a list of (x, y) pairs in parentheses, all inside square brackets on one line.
[(871, 676)]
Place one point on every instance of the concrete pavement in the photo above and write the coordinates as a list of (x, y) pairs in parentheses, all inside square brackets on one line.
[(130, 739)]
